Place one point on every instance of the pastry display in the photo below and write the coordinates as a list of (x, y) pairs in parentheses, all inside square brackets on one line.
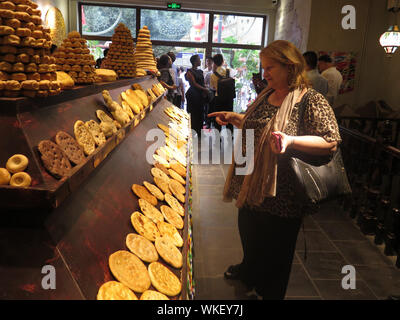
[(144, 56), (120, 56), (142, 247), (114, 290), (164, 279), (177, 177), (115, 109), (162, 184), (74, 58), (129, 270), (144, 226), (171, 231), (25, 50), (154, 190), (174, 204), (176, 189)]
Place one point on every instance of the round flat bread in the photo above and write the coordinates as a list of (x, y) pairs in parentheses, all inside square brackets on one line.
[(174, 204), (144, 226), (178, 168), (168, 229), (167, 250), (54, 159), (71, 148), (175, 188), (150, 211), (143, 193), (158, 173), (164, 280), (172, 217), (153, 295), (163, 185), (142, 247), (129, 270), (177, 177), (154, 190), (96, 132), (162, 154), (84, 137), (114, 290)]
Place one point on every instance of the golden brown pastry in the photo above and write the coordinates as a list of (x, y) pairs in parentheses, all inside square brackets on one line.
[(30, 85), (5, 66), (17, 163), (31, 67), (23, 32), (33, 76), (8, 5), (44, 85), (18, 76), (23, 16), (28, 42), (21, 179), (29, 25), (9, 57), (12, 85), (13, 23), (5, 30), (23, 57), (36, 20), (18, 67), (37, 34), (5, 176), (11, 40)]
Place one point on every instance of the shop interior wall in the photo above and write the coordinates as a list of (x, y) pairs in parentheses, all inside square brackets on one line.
[(264, 7), (376, 76), (62, 5)]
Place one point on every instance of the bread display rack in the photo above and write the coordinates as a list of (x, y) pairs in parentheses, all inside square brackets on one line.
[(76, 223)]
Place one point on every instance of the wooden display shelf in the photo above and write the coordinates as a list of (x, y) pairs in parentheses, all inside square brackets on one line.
[(46, 117)]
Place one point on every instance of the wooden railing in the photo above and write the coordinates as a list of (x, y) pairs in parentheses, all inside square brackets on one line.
[(373, 170)]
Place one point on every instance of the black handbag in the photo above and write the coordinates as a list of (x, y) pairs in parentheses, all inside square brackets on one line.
[(318, 178)]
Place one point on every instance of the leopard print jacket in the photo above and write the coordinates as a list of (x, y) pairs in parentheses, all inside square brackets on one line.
[(319, 120)]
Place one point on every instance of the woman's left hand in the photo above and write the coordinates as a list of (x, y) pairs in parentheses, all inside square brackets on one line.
[(285, 141)]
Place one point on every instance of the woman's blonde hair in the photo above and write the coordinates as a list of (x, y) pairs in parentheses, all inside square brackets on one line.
[(286, 53)]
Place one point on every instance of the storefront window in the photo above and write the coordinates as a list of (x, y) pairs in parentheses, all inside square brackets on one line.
[(97, 47), (182, 54), (237, 29), (101, 21), (242, 63), (175, 25)]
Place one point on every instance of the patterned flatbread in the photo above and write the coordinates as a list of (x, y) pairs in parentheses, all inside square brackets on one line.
[(129, 270), (160, 174), (177, 177), (176, 189), (96, 132), (150, 211), (178, 168), (54, 159), (143, 193), (163, 185), (141, 247), (168, 229), (154, 190), (164, 280), (114, 290), (70, 147), (84, 137), (174, 204), (172, 217), (144, 226), (167, 250)]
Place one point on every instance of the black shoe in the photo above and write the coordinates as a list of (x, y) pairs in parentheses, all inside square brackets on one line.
[(233, 272)]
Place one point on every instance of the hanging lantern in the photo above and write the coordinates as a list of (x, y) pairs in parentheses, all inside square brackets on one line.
[(390, 40)]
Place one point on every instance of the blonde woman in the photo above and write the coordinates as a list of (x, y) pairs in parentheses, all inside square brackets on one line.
[(269, 215)]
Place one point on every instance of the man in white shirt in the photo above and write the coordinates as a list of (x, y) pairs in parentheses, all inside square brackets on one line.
[(330, 73), (318, 82)]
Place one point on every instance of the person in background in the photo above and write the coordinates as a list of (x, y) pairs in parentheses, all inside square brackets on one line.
[(318, 82), (195, 96), (180, 96), (174, 70), (270, 215), (220, 103), (99, 61), (207, 78), (334, 77), (166, 77)]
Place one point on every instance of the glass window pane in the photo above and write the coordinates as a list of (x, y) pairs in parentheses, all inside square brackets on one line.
[(97, 47), (182, 54), (242, 63), (237, 29), (175, 25), (101, 21)]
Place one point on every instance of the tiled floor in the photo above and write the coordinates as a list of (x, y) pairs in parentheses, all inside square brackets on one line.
[(333, 241)]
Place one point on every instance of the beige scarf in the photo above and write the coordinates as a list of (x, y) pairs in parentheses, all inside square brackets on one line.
[(261, 183)]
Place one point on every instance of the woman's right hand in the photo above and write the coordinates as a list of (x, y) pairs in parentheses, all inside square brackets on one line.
[(223, 118)]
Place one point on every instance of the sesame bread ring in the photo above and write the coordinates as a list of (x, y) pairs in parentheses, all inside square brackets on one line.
[(21, 179), (17, 163)]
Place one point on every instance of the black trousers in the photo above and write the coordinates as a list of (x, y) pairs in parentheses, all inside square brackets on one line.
[(219, 104), (268, 243)]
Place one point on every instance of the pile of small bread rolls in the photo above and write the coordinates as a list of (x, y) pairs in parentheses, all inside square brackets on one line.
[(13, 174)]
